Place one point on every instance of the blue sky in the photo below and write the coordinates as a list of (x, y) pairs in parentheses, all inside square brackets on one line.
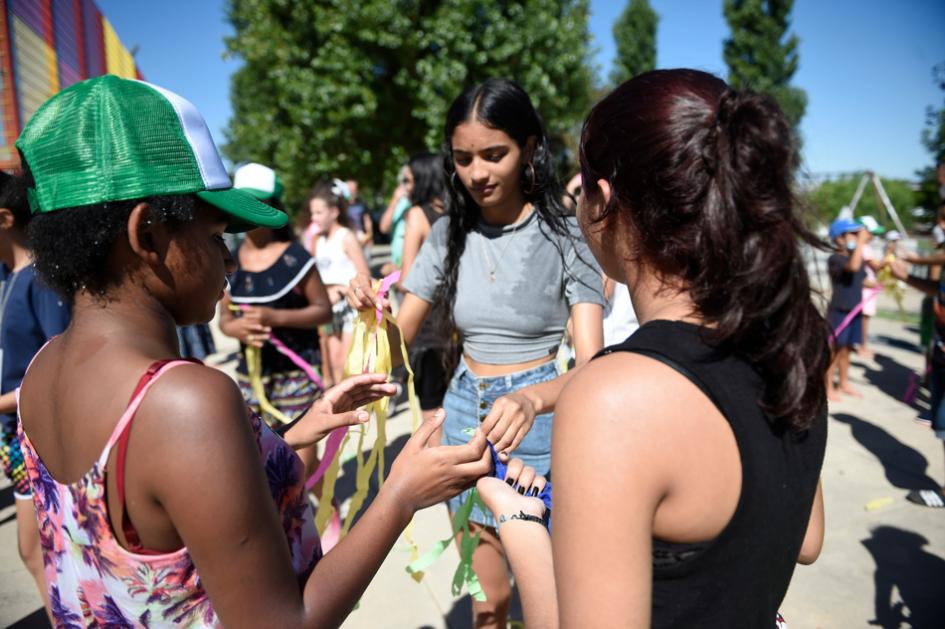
[(866, 66)]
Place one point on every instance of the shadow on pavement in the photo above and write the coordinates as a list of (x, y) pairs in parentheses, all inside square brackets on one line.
[(460, 616), (903, 566), (892, 378), (346, 485), (904, 466), (899, 343), (36, 620)]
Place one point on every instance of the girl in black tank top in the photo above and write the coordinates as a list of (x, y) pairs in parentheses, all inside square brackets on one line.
[(686, 460)]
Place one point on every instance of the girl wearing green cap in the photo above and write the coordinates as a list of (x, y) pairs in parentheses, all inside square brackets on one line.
[(160, 500)]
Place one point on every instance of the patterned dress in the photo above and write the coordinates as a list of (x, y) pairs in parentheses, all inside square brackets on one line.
[(287, 387), (94, 582)]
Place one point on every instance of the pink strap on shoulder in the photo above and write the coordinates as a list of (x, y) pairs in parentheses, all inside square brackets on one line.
[(133, 405)]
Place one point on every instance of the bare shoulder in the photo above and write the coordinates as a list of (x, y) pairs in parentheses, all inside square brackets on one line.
[(628, 402), (415, 216), (195, 402)]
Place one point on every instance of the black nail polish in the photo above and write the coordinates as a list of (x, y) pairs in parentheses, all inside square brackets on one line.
[(510, 482), (534, 491), (521, 490)]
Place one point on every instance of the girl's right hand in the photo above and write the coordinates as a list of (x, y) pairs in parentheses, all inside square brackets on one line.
[(361, 294), (423, 474)]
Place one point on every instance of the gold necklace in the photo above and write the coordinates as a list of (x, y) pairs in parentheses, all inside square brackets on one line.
[(493, 265)]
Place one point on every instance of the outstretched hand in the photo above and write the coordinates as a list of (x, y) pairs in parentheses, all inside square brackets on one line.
[(424, 474), (339, 407)]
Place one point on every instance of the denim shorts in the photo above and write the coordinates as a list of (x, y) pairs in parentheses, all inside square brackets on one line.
[(468, 401), (851, 335)]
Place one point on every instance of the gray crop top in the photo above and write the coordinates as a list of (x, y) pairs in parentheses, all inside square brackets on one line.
[(521, 316)]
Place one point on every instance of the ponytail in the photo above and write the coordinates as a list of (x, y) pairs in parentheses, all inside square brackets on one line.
[(703, 173)]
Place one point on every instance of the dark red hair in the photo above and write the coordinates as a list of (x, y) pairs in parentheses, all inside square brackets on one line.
[(703, 174)]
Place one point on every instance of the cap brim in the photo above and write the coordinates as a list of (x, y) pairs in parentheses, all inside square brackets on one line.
[(259, 194), (245, 210)]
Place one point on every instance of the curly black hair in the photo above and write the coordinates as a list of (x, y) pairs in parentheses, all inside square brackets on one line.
[(71, 246)]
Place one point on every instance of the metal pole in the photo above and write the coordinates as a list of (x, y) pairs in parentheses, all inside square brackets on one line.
[(858, 193), (886, 202)]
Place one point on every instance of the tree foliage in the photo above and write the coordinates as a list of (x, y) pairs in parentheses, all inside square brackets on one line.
[(635, 36), (349, 89), (933, 138), (825, 201), (761, 55)]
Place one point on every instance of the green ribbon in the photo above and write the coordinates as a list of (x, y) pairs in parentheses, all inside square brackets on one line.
[(464, 575)]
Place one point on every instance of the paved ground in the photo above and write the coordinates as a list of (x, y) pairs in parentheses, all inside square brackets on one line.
[(883, 561)]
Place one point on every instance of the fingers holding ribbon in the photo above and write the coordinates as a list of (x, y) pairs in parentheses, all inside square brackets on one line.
[(507, 423)]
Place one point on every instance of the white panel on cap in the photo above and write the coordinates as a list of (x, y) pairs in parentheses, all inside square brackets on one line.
[(255, 176), (198, 136)]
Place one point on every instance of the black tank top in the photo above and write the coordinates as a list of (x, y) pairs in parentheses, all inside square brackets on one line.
[(740, 578)]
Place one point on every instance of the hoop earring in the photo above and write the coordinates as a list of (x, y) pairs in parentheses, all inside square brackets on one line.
[(456, 186), (531, 169)]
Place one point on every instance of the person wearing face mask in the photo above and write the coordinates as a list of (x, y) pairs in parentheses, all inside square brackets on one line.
[(846, 270)]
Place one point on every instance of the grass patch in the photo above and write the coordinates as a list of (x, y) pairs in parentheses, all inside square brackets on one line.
[(898, 315)]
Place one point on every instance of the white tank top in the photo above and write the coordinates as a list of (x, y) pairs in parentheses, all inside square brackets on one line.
[(334, 265)]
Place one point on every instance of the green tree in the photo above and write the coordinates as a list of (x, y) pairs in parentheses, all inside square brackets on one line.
[(761, 55), (933, 138), (824, 201), (635, 36), (330, 87)]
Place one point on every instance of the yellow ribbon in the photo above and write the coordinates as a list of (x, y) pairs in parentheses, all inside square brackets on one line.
[(370, 352), (890, 284), (254, 371)]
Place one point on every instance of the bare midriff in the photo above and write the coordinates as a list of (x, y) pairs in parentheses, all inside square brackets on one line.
[(486, 370)]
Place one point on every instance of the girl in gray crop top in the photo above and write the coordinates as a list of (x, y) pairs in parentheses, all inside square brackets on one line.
[(508, 268)]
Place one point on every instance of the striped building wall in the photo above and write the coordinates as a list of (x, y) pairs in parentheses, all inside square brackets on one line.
[(45, 46)]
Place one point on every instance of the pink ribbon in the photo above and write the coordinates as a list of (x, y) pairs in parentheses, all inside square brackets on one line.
[(332, 445), (852, 314), (337, 436), (909, 396), (386, 283), (298, 360)]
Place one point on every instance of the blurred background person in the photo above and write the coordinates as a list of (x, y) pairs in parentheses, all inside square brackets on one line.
[(339, 258)]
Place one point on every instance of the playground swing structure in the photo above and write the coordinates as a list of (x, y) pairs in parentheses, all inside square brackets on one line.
[(884, 203)]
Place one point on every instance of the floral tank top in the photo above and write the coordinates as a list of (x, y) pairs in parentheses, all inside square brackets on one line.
[(95, 582)]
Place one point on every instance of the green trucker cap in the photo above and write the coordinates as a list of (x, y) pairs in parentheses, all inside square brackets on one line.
[(114, 139)]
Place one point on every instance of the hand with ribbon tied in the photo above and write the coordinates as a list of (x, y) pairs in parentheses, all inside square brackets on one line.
[(340, 406), (362, 295)]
